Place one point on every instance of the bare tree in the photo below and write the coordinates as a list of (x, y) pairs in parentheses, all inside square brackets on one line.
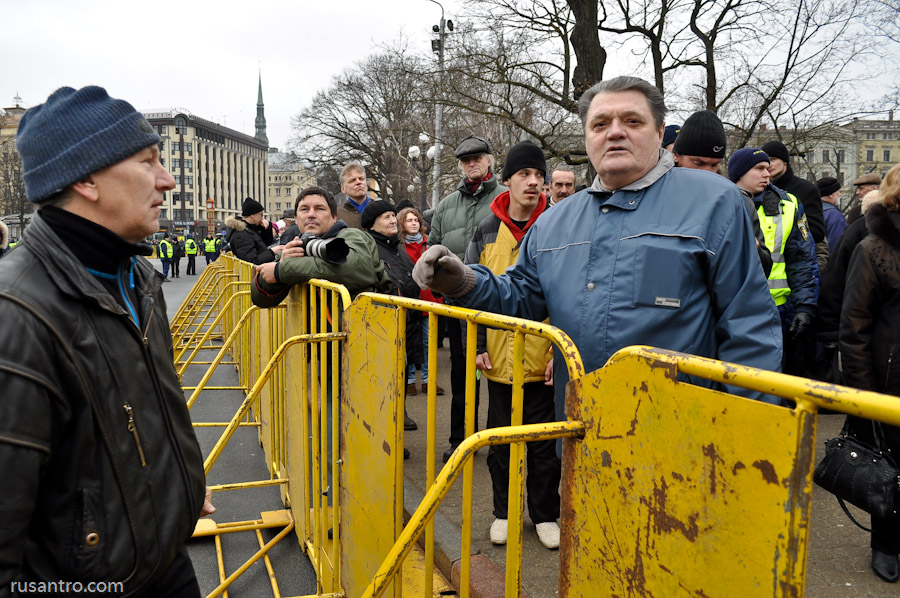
[(372, 113), (12, 185)]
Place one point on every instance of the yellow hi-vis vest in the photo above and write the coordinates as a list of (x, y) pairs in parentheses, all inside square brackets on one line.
[(165, 249), (190, 247), (209, 245), (776, 230)]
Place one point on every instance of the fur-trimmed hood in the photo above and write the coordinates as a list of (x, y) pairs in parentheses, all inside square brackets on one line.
[(4, 236), (884, 223), (235, 223)]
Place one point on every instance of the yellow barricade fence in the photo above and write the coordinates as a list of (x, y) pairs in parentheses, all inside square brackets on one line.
[(668, 488)]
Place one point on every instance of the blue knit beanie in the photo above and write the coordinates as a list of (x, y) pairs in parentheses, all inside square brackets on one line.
[(75, 134), (743, 160)]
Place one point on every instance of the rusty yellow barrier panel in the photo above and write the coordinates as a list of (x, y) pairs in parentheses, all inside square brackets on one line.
[(678, 490), (372, 436)]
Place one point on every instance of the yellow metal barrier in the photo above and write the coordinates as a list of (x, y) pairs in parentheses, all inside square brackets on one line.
[(681, 490), (667, 488), (372, 440)]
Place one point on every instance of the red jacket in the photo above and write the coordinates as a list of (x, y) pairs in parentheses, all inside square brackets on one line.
[(415, 251)]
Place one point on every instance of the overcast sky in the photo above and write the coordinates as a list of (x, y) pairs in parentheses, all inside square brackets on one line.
[(202, 56)]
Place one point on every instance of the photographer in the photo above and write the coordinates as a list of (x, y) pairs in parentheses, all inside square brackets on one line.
[(361, 269)]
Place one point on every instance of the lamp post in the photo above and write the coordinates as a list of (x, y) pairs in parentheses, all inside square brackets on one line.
[(420, 164), (438, 47)]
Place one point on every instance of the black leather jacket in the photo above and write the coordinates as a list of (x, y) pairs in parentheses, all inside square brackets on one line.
[(103, 476)]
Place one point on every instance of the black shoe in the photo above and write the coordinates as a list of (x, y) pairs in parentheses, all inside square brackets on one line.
[(448, 453), (885, 566), (409, 424), (406, 454)]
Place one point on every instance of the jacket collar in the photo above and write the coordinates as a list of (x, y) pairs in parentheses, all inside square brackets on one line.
[(71, 275), (663, 165), (391, 242), (785, 178), (770, 199), (486, 186)]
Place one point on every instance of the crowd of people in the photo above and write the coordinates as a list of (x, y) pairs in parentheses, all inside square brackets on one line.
[(759, 267)]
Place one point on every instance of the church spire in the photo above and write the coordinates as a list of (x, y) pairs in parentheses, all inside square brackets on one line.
[(261, 115)]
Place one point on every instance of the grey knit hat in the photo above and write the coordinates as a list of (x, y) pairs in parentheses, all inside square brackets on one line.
[(74, 134)]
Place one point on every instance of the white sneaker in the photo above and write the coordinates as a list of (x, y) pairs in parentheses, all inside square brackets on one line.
[(548, 534), (499, 531)]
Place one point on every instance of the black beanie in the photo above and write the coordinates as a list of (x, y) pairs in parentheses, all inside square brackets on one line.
[(776, 149), (702, 134), (374, 210), (525, 154), (251, 207), (827, 186)]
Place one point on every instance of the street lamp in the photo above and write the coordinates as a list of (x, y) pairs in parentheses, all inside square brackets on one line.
[(438, 46), (420, 163)]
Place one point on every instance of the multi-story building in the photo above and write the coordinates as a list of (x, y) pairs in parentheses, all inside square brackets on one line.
[(214, 167), (287, 177), (877, 144)]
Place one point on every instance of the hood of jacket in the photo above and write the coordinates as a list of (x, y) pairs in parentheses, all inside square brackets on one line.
[(884, 223), (500, 208), (235, 223)]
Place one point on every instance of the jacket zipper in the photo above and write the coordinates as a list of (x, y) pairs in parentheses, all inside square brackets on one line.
[(133, 429)]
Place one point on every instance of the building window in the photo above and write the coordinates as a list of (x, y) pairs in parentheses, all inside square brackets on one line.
[(840, 156), (884, 136), (189, 165), (176, 146), (887, 155), (825, 157), (161, 130), (870, 155), (277, 191), (189, 148)]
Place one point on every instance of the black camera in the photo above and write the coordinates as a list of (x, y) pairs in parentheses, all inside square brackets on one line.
[(334, 250)]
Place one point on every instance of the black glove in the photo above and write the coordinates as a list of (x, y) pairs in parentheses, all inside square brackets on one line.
[(441, 271), (801, 325)]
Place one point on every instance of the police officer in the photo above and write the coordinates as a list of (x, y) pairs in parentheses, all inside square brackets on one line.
[(177, 254), (166, 251), (190, 250), (210, 248), (793, 280)]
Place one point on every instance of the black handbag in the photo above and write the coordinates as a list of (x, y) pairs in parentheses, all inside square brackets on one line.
[(864, 476)]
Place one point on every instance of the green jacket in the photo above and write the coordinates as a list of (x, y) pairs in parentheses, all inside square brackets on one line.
[(363, 271), (459, 214)]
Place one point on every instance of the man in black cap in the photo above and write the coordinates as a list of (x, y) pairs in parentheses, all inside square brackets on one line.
[(701, 145), (700, 142), (496, 246), (835, 223), (453, 226), (102, 474), (251, 237), (783, 177)]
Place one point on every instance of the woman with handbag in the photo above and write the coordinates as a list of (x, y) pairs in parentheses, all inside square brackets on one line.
[(870, 344)]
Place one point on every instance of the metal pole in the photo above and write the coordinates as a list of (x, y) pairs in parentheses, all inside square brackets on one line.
[(438, 114)]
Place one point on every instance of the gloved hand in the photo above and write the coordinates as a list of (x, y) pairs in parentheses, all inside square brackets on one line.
[(441, 271), (801, 325)]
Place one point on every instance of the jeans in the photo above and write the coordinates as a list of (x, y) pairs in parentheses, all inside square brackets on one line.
[(165, 266), (423, 367)]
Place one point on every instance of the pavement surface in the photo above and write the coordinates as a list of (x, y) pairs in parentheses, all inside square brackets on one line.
[(838, 552)]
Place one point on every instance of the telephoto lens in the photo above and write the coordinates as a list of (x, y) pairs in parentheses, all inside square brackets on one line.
[(333, 251)]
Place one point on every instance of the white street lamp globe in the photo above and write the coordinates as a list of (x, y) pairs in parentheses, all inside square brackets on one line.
[(414, 152), (410, 188), (423, 137), (431, 152)]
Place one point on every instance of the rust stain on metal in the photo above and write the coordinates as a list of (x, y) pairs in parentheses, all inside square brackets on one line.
[(367, 426), (664, 521), (386, 447), (710, 451), (637, 580), (677, 476), (737, 467), (767, 470)]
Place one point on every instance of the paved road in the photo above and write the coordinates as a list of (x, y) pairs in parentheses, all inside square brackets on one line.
[(838, 557)]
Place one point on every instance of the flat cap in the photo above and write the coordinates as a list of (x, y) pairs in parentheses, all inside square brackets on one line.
[(868, 179), (472, 146)]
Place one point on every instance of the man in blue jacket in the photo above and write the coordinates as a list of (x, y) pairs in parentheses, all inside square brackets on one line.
[(648, 254)]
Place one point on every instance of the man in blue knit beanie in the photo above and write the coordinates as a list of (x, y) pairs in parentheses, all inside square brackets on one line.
[(103, 476)]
